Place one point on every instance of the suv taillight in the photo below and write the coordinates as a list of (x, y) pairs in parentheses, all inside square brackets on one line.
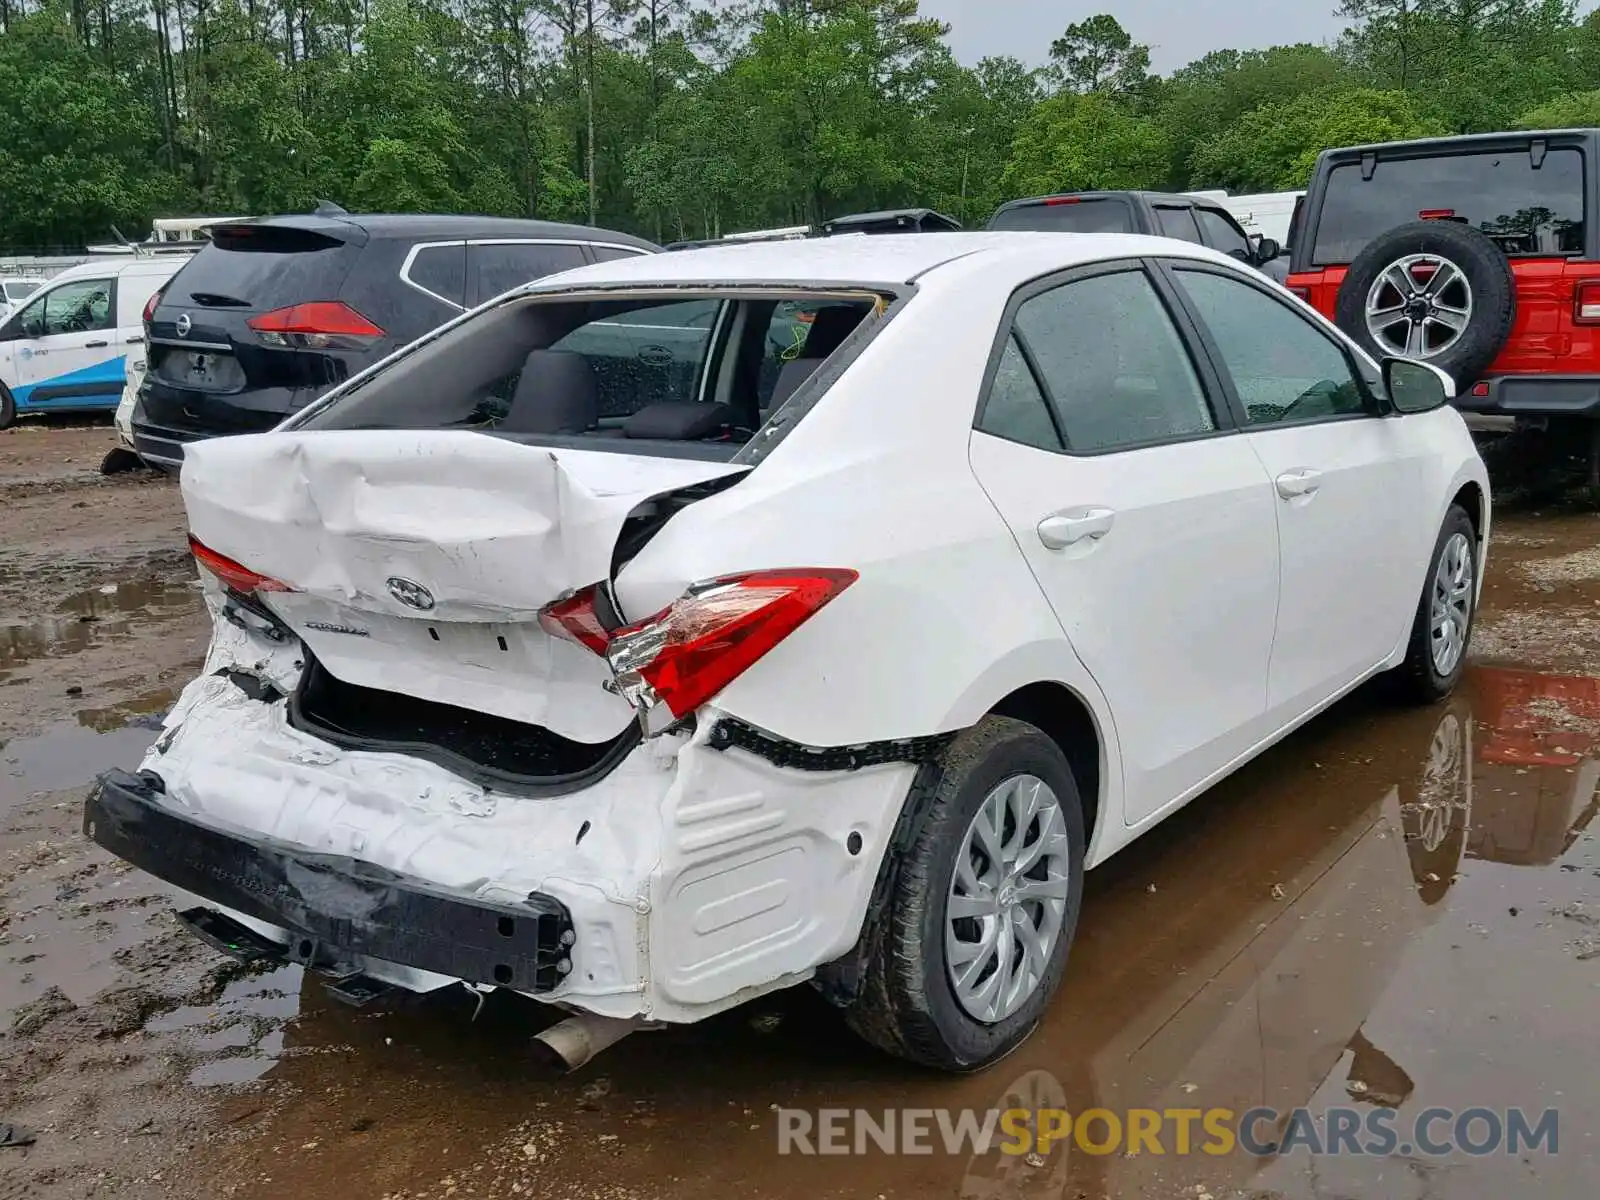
[(317, 325), (689, 651), (1586, 302), (150, 304)]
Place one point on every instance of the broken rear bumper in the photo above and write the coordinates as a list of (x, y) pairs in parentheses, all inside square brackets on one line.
[(339, 910)]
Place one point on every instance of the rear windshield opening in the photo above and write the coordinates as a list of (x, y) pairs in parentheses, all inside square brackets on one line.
[(1068, 216), (639, 375), (1526, 212)]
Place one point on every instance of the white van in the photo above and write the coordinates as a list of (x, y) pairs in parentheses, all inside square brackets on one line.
[(1265, 214), (66, 346)]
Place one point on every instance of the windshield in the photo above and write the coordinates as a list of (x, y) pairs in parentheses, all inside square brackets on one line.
[(688, 377), (1525, 211), (18, 290), (1067, 216)]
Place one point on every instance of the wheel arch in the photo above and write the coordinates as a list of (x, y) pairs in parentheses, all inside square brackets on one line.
[(1066, 718)]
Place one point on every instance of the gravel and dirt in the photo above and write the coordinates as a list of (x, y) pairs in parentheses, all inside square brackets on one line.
[(1393, 907)]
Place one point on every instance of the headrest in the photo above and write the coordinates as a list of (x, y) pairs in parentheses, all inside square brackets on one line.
[(556, 393)]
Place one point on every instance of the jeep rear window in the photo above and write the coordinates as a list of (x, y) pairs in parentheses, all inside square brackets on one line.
[(1526, 212), (1067, 216), (680, 377)]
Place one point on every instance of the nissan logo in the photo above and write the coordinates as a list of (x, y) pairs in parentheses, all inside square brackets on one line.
[(184, 324), (411, 593)]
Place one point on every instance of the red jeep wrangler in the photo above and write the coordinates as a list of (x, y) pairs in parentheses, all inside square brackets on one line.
[(1473, 253)]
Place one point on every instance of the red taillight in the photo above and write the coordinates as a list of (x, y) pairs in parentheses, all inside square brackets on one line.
[(1481, 388), (234, 575), (1436, 214), (1303, 292), (689, 651), (1586, 302), (150, 306), (577, 620), (319, 324), (1054, 200)]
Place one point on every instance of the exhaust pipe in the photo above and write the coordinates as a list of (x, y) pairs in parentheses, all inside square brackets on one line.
[(572, 1042)]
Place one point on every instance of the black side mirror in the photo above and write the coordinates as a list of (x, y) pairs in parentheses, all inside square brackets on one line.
[(1416, 387), (1267, 249)]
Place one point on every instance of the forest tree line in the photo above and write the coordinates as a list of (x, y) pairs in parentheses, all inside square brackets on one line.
[(690, 118)]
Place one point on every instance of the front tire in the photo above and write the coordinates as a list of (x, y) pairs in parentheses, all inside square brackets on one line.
[(8, 408), (983, 905), (1442, 629)]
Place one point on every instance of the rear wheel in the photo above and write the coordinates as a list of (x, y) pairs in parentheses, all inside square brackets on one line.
[(983, 906), (8, 408), (1442, 628)]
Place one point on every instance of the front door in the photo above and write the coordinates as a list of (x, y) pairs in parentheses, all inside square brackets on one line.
[(67, 354), (1149, 526), (1346, 489)]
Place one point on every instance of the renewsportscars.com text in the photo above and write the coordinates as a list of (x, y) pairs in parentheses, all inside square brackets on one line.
[(1261, 1132)]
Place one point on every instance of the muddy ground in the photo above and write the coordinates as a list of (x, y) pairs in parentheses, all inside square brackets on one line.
[(1393, 907)]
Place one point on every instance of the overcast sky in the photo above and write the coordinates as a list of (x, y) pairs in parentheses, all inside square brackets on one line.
[(1177, 31)]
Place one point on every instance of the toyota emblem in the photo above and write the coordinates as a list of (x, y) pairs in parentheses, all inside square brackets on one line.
[(184, 324), (411, 593)]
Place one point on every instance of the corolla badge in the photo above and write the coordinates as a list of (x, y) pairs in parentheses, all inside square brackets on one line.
[(184, 324), (411, 593)]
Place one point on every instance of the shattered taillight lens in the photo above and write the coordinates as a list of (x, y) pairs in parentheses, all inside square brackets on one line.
[(232, 574), (689, 651), (577, 619)]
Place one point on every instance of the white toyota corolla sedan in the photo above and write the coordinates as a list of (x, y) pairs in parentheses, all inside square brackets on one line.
[(690, 626)]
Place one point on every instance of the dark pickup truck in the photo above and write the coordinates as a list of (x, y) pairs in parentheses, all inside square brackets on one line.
[(1160, 214)]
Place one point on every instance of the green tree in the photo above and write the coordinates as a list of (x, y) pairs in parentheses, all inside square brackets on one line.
[(1076, 143), (1099, 55)]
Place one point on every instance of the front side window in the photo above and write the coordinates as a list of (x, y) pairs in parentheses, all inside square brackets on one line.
[(82, 306), (1113, 364), (1283, 367), (1525, 211)]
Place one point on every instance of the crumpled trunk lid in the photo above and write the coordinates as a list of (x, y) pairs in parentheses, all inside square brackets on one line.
[(420, 558)]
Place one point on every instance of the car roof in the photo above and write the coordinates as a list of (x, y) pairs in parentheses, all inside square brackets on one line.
[(449, 226), (132, 265), (1117, 194), (872, 259), (1460, 141)]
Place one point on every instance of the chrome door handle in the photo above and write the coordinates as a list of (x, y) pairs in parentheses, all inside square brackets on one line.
[(1302, 481), (1063, 529)]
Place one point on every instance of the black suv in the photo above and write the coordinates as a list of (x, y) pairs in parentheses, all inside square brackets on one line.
[(1160, 214), (276, 311)]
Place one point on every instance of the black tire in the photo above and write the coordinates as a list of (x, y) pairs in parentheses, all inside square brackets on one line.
[(1488, 274), (8, 408), (906, 1005), (1419, 680)]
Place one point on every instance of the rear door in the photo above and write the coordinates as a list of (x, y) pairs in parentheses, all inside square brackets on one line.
[(1348, 486), (1148, 523), (495, 267)]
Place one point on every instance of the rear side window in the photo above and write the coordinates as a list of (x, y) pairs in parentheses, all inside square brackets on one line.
[(441, 270), (611, 253), (1016, 409), (1526, 211), (1067, 216), (262, 267), (1177, 223), (498, 267), (1113, 364)]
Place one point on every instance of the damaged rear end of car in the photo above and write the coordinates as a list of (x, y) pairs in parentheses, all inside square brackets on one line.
[(447, 734)]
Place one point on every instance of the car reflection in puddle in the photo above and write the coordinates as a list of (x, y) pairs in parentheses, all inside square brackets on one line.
[(1277, 944)]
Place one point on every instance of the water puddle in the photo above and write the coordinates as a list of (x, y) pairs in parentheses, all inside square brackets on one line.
[(1384, 910), (240, 1037), (90, 617)]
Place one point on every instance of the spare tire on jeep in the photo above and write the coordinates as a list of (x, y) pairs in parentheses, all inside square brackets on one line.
[(1434, 290)]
